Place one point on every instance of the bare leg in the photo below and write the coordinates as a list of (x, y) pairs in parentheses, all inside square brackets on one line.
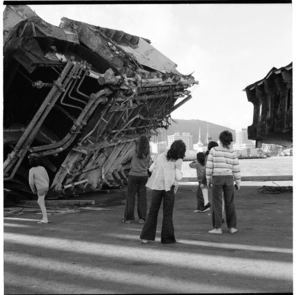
[(41, 202)]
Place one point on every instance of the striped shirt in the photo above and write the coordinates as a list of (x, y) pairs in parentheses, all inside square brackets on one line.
[(222, 161)]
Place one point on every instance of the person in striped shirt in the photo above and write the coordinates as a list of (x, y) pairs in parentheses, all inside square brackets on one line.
[(222, 171)]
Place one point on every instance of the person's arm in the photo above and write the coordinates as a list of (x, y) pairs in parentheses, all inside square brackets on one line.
[(193, 164), (153, 164), (209, 168), (236, 172), (178, 173), (152, 167), (31, 181)]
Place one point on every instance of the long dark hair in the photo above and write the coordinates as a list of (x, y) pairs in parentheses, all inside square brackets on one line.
[(177, 150), (226, 138), (201, 158), (211, 144), (142, 147)]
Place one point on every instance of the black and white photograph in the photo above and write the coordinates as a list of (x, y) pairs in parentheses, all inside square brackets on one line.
[(148, 147)]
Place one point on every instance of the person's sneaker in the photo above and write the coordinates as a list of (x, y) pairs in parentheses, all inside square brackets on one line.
[(42, 221), (216, 231), (197, 211), (233, 230), (144, 241), (126, 221), (206, 208), (141, 221)]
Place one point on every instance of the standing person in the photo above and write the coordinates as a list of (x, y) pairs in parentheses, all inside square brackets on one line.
[(203, 204), (138, 158), (39, 183), (222, 170), (166, 170), (206, 193)]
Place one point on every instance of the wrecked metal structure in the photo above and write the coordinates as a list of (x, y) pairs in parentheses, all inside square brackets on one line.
[(272, 98), (79, 95)]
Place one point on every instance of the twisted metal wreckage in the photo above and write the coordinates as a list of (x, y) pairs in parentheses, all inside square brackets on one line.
[(79, 95)]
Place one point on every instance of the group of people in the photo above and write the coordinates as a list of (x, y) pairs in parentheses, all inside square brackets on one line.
[(217, 170)]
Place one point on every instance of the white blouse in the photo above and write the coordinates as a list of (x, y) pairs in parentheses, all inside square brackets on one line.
[(163, 175)]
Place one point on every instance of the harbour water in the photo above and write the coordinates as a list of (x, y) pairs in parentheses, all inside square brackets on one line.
[(255, 167)]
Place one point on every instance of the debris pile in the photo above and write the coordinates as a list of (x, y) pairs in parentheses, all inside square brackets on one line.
[(79, 95)]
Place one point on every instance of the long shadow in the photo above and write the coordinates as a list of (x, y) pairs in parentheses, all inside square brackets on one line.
[(191, 246), (44, 263), (117, 251), (208, 267)]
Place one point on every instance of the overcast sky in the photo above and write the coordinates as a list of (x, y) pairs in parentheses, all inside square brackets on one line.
[(227, 46)]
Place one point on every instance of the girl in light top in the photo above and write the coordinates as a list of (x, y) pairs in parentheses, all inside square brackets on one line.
[(166, 170), (222, 170), (39, 184), (138, 159)]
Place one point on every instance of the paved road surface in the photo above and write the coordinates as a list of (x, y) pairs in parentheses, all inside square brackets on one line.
[(93, 252)]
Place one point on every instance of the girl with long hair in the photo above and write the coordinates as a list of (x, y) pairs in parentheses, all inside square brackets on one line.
[(166, 171), (138, 159)]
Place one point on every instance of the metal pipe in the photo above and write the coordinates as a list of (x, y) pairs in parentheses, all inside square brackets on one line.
[(99, 99), (148, 97), (36, 128), (108, 158), (124, 149), (62, 145), (74, 98), (106, 123), (136, 117), (181, 103), (118, 119), (71, 82), (77, 89), (107, 107), (65, 113), (160, 88), (75, 183), (185, 82), (84, 171), (77, 77), (85, 114), (57, 86), (40, 148), (135, 127)]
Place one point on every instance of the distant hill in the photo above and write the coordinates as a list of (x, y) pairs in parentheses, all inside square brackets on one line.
[(192, 127)]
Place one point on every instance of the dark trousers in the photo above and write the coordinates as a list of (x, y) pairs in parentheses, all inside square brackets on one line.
[(223, 184), (200, 199), (136, 186), (149, 229)]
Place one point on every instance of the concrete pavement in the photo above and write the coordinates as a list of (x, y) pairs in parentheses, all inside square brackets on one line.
[(93, 252)]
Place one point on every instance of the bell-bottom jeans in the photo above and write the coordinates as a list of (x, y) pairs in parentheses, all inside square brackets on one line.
[(149, 229), (220, 185)]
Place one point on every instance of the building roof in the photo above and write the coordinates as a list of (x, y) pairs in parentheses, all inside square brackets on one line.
[(272, 71)]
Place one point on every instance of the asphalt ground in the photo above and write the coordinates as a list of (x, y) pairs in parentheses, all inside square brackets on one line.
[(90, 251)]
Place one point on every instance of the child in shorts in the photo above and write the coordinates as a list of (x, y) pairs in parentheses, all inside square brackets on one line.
[(39, 184)]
